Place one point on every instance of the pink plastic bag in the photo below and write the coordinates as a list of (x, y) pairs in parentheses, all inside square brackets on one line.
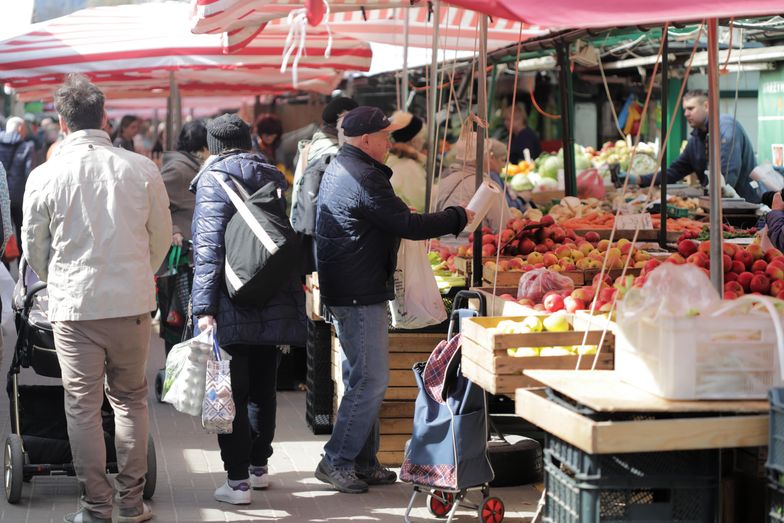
[(590, 184), (538, 282)]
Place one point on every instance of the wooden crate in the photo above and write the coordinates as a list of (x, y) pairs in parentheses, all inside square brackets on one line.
[(505, 278), (500, 307), (312, 297), (486, 363), (579, 278), (397, 410), (465, 266)]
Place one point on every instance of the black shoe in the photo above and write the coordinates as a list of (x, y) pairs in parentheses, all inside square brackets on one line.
[(345, 480), (377, 475)]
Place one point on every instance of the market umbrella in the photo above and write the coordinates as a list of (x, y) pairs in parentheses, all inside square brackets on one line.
[(112, 45)]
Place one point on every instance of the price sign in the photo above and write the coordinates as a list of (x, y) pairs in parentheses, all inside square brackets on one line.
[(641, 221)]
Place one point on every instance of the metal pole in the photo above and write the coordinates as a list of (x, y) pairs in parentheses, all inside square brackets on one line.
[(665, 78), (174, 115), (567, 121), (481, 111), (404, 80), (714, 158), (432, 124)]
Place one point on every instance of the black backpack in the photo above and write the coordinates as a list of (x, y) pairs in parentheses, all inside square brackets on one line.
[(305, 195), (262, 250)]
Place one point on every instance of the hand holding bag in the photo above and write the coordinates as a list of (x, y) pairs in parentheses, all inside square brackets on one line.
[(186, 367), (217, 414)]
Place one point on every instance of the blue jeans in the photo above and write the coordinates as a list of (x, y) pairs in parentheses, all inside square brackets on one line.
[(363, 334)]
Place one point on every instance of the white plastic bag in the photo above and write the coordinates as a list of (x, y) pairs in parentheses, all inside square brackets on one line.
[(186, 368), (417, 302)]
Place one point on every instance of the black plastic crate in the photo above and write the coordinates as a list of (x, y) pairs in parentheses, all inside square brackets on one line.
[(318, 378), (638, 487), (775, 503), (775, 464)]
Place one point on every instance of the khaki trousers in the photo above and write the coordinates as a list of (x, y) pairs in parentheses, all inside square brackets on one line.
[(111, 355)]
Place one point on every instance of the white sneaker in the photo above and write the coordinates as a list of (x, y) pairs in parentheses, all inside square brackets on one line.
[(239, 495), (259, 481)]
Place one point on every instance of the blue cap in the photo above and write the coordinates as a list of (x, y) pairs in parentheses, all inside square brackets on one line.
[(366, 120)]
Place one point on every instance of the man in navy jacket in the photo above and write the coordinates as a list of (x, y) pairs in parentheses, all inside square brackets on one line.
[(359, 223), (737, 153)]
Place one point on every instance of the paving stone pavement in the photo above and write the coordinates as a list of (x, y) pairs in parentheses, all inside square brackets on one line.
[(190, 468)]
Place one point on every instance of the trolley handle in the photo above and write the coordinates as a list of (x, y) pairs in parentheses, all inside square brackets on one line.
[(31, 292), (462, 297)]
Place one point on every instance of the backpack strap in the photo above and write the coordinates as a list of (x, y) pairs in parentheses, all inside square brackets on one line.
[(243, 210)]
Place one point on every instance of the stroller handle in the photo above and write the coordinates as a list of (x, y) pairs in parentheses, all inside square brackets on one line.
[(31, 292), (461, 301)]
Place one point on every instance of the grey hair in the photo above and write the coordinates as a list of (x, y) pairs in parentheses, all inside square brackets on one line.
[(79, 103), (496, 149), (13, 123)]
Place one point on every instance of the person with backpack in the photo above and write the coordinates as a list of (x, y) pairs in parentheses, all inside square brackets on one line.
[(17, 154), (249, 333), (359, 224), (314, 156)]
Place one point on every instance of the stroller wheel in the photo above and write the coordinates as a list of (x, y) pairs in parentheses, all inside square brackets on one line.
[(159, 378), (491, 510), (13, 468), (440, 503), (151, 478)]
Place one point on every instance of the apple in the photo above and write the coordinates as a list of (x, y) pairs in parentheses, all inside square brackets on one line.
[(607, 294), (677, 259), (576, 254), (744, 279), (507, 297), (533, 323), (592, 236), (553, 302), (729, 295), (585, 248), (603, 245), (562, 251), (756, 251), (525, 302), (614, 262), (599, 282), (584, 264), (759, 265), (686, 248), (557, 322), (744, 257), (734, 287), (597, 255), (650, 265), (547, 220), (573, 304), (726, 263), (585, 294), (488, 249), (729, 249), (541, 248), (775, 271), (704, 247), (700, 259), (549, 259), (760, 284), (526, 246), (507, 235), (776, 287), (549, 243), (771, 254), (737, 266), (731, 276), (642, 256), (534, 258)]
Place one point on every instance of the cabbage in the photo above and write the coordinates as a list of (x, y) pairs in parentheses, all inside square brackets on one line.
[(582, 162), (550, 167), (643, 164), (547, 184), (520, 182)]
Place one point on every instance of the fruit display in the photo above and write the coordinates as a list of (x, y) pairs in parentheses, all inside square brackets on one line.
[(620, 153), (440, 258), (556, 322), (570, 207), (728, 232)]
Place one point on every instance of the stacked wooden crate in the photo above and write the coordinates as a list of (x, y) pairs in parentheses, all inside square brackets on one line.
[(397, 411)]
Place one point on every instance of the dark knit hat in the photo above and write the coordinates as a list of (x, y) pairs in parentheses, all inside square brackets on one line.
[(333, 109), (227, 132), (408, 132)]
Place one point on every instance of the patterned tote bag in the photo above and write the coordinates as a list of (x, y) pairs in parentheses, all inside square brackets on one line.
[(218, 409)]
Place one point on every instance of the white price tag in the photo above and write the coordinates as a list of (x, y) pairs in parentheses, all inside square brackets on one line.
[(641, 221)]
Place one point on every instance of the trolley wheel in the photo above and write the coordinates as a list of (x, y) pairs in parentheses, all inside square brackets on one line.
[(440, 503), (151, 478), (13, 468), (491, 510), (159, 378)]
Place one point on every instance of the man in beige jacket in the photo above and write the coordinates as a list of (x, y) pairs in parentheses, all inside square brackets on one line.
[(96, 226)]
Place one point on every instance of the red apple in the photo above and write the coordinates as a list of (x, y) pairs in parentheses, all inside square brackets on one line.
[(744, 257), (547, 220), (780, 295), (607, 294), (760, 284), (776, 287), (726, 263), (737, 267), (592, 236), (700, 259), (756, 251), (650, 265), (553, 302), (771, 254), (775, 271), (729, 295), (729, 249), (705, 247), (759, 265), (686, 248), (573, 304), (507, 297), (677, 259), (526, 246), (731, 276), (735, 287)]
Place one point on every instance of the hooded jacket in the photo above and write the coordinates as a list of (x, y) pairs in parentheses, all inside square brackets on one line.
[(178, 170), (359, 223), (281, 321)]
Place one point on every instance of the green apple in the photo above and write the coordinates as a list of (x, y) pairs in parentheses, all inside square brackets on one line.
[(557, 322), (533, 323), (585, 350), (527, 352)]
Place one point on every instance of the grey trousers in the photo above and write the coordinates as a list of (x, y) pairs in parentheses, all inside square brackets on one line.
[(111, 355)]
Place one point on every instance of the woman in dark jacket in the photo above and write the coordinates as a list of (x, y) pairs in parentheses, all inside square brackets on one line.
[(248, 334)]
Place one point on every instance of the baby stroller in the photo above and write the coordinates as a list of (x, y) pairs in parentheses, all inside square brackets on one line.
[(38, 444), (447, 454)]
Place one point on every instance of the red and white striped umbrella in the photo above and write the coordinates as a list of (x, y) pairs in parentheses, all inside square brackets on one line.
[(127, 44), (372, 21)]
